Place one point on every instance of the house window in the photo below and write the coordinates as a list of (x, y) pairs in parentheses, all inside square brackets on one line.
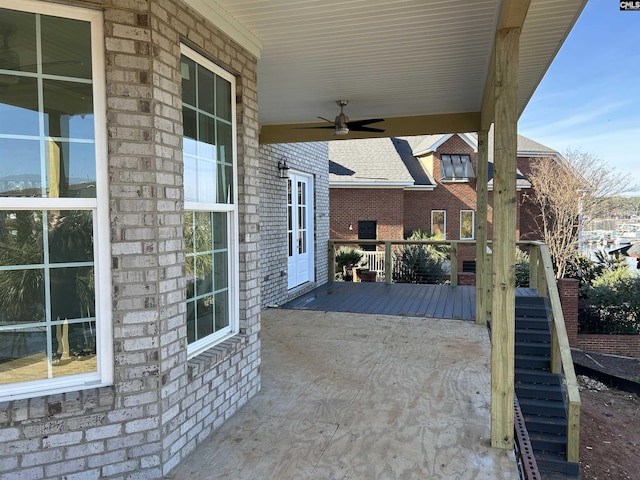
[(210, 201), (467, 218), (455, 168), (439, 223), (55, 313)]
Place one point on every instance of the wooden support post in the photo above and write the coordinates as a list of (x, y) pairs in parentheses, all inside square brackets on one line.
[(388, 263), (504, 237), (453, 260), (332, 262), (483, 280)]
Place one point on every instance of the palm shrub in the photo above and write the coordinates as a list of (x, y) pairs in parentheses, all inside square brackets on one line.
[(346, 259), (421, 263)]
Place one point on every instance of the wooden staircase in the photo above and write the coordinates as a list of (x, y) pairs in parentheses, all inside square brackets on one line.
[(541, 393)]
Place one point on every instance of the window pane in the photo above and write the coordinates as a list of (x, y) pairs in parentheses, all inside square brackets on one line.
[(188, 68), (18, 105), (206, 94), (225, 183), (225, 143), (205, 318), (438, 224), (466, 224), (20, 41), (207, 135), (20, 238), (68, 107), (221, 262), (70, 236), (219, 230), (190, 179), (71, 169), (223, 98), (20, 168), (73, 348), (23, 355), (62, 52), (190, 126), (72, 293), (222, 310), (22, 296), (205, 176)]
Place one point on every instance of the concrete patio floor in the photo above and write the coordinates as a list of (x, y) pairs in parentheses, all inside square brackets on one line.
[(361, 397)]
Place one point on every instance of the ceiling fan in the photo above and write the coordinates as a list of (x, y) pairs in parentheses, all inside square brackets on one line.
[(343, 126)]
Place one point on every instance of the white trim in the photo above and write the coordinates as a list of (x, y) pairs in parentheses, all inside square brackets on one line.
[(370, 184), (466, 137), (473, 225), (421, 188), (231, 210), (310, 223), (219, 17)]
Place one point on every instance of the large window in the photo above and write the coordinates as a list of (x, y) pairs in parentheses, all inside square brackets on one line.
[(467, 218), (455, 168), (439, 224), (55, 332), (210, 205)]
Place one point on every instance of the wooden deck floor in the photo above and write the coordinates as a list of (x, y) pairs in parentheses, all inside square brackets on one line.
[(433, 301)]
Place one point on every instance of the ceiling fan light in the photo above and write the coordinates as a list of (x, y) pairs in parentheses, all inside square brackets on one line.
[(341, 130)]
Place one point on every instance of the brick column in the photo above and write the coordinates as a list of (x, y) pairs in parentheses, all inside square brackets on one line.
[(568, 290)]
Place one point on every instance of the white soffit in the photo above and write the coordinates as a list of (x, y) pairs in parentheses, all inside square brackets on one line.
[(389, 58)]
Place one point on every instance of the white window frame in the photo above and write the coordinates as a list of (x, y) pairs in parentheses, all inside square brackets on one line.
[(99, 206), (473, 224), (444, 215), (231, 209)]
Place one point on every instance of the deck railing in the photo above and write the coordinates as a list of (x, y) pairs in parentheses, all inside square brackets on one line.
[(386, 260), (541, 278)]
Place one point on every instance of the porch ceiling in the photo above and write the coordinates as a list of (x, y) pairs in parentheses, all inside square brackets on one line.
[(423, 65)]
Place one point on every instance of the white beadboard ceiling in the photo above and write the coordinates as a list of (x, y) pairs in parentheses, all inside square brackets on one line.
[(389, 58)]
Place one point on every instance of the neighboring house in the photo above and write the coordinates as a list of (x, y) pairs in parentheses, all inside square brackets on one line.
[(386, 188)]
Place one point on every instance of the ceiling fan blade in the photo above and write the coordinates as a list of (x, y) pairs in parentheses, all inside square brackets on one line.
[(365, 129), (332, 127), (360, 123), (326, 120)]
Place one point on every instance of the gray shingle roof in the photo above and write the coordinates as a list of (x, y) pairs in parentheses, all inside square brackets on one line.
[(391, 160), (374, 160)]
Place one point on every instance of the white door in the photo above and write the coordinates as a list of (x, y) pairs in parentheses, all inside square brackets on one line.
[(300, 229)]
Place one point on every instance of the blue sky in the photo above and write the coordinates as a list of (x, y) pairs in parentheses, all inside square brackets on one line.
[(589, 99)]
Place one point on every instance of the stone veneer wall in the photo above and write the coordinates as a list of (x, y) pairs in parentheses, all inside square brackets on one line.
[(309, 158), (161, 405)]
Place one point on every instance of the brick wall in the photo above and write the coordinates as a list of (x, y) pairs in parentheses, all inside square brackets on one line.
[(310, 158), (160, 405), (627, 345), (350, 205)]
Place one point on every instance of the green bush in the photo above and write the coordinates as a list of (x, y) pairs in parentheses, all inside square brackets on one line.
[(522, 268), (421, 263), (612, 304)]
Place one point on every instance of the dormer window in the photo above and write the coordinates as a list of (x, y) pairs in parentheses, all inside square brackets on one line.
[(455, 168)]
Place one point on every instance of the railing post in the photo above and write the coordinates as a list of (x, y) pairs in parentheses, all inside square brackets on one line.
[(388, 263), (332, 261), (453, 257), (534, 259)]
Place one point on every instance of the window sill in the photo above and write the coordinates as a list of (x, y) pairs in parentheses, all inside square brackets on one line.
[(205, 361)]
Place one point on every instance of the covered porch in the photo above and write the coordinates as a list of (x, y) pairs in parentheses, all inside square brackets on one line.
[(361, 396)]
